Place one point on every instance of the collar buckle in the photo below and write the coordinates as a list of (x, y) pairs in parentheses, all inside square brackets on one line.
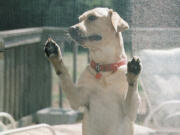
[(98, 68)]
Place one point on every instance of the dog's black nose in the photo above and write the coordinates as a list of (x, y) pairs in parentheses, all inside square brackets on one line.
[(73, 31)]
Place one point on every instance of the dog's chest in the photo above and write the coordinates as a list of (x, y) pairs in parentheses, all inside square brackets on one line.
[(105, 101), (108, 94)]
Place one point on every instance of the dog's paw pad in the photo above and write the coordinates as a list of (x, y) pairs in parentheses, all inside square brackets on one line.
[(134, 66), (51, 48)]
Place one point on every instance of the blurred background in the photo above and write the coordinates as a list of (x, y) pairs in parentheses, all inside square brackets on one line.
[(29, 84), (22, 14)]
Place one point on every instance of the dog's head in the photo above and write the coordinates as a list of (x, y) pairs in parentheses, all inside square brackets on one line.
[(97, 26)]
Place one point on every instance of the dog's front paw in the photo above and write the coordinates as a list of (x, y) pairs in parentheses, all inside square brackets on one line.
[(133, 70), (134, 66), (52, 49)]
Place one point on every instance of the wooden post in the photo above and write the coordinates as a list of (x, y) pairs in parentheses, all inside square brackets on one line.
[(1, 75), (88, 56), (60, 97), (75, 51)]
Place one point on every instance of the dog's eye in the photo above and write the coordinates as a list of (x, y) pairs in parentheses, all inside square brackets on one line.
[(92, 18)]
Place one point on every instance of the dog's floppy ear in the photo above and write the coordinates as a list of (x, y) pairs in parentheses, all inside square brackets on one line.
[(118, 23)]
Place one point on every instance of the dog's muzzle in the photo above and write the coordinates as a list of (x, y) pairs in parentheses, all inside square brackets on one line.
[(76, 35), (74, 32)]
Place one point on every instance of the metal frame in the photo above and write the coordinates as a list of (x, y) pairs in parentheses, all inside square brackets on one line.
[(29, 128), (158, 108), (9, 117)]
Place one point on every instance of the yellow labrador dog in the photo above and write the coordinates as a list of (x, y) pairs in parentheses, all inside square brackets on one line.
[(107, 88)]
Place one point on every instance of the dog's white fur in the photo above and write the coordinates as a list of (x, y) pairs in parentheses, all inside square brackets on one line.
[(110, 103)]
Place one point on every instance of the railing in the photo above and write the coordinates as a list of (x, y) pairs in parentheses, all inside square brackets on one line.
[(25, 73)]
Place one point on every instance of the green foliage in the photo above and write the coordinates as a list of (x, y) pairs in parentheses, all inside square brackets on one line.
[(34, 13)]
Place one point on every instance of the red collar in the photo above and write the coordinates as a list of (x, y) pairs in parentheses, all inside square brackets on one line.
[(108, 67)]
